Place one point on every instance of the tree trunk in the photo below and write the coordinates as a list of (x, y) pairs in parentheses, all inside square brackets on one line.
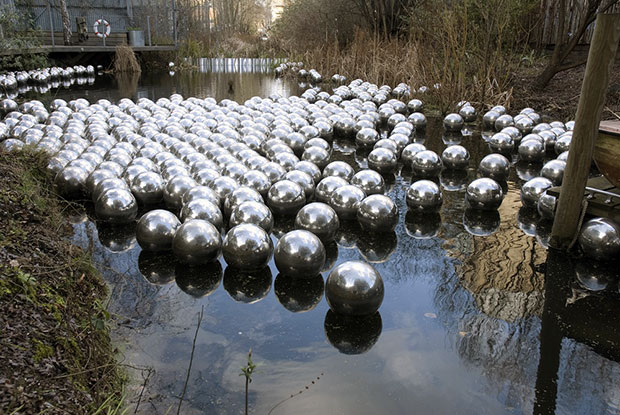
[(66, 23)]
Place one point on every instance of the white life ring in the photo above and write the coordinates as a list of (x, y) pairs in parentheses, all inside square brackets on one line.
[(105, 24)]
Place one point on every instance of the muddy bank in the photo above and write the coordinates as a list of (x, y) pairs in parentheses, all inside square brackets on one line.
[(55, 351)]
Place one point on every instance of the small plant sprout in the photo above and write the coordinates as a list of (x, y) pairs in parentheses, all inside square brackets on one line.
[(247, 371)]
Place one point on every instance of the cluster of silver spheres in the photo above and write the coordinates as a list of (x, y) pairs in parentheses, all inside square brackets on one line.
[(13, 84)]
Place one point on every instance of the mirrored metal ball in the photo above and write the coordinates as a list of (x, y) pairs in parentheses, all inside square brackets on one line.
[(382, 160), (285, 198), (599, 239), (533, 189), (424, 196), (354, 288), (320, 219), (426, 164), (495, 166), (453, 122), (252, 212), (148, 188), (554, 171), (339, 169), (175, 189), (70, 181), (203, 209), (345, 201), (546, 205), (116, 206), (247, 246), (531, 150), (455, 157), (156, 229), (196, 242), (326, 186), (370, 181), (503, 121), (484, 194), (299, 253), (377, 213)]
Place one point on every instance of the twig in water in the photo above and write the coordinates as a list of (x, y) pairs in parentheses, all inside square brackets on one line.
[(307, 387), (148, 375), (191, 359)]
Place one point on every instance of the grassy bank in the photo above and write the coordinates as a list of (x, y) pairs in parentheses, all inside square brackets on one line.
[(55, 351)]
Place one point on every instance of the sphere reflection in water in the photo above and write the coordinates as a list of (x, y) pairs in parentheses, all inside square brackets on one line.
[(196, 242), (158, 268), (599, 239), (116, 238), (155, 230), (527, 219), (422, 225), (377, 248), (481, 223), (299, 253), (247, 286), (199, 281), (352, 334), (453, 180), (354, 288), (298, 294), (594, 275), (247, 246)]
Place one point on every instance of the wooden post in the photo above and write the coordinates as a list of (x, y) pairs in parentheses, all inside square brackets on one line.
[(600, 61)]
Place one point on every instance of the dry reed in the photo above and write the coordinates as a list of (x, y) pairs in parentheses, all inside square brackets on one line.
[(125, 60)]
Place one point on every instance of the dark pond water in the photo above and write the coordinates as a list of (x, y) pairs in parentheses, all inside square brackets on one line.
[(469, 324)]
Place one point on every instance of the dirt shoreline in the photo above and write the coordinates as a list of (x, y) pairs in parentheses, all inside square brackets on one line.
[(55, 350)]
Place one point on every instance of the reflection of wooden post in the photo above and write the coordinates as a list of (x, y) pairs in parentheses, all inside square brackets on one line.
[(600, 60)]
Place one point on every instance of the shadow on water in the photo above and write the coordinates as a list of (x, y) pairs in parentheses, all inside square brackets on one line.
[(478, 316)]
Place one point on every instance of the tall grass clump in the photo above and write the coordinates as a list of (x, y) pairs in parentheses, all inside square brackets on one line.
[(459, 50), (125, 60)]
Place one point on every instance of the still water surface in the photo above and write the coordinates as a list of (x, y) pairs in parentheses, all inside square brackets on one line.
[(469, 324)]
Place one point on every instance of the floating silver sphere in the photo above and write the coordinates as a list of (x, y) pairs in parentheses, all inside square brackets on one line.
[(563, 156), (238, 196), (453, 122), (354, 288), (489, 118), (203, 209), (339, 169), (424, 196), (303, 179), (554, 171), (175, 189), (503, 121), (377, 213), (257, 180), (468, 113), (531, 150), (70, 182), (599, 239), (533, 189), (201, 192), (310, 168), (96, 177), (495, 166), (223, 186), (546, 205), (252, 212), (562, 144), (524, 124), (426, 164), (116, 206), (11, 145), (484, 194), (156, 229), (325, 188), (455, 157), (367, 137), (382, 160), (370, 181), (285, 198), (148, 188), (345, 201), (247, 246), (409, 151), (418, 120), (502, 143), (196, 242), (299, 253), (320, 219), (316, 155)]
